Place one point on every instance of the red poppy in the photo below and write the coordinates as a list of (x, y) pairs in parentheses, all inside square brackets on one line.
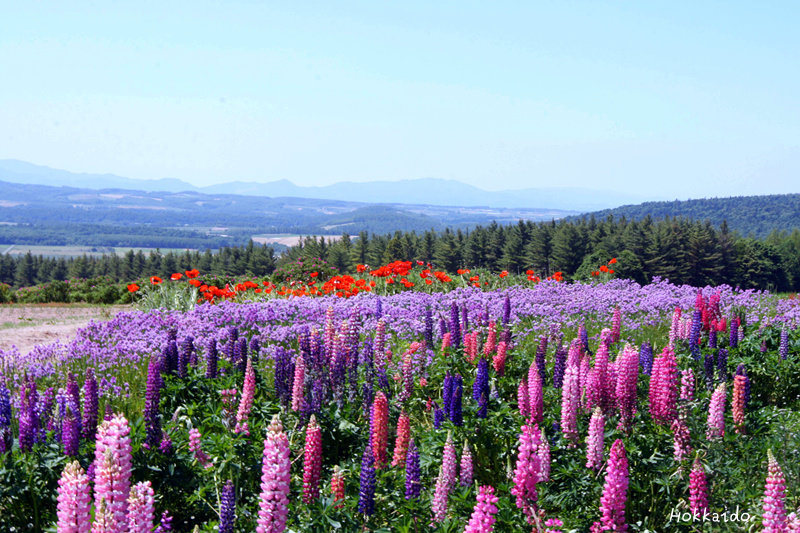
[(603, 268), (613, 260), (429, 281), (361, 268), (133, 287), (529, 272), (193, 273), (155, 280), (195, 282), (314, 274), (610, 271), (504, 273), (473, 279), (176, 276)]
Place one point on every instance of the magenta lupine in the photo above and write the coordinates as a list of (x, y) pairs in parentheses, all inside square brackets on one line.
[(246, 402), (616, 324), (482, 519), (627, 374), (499, 359), (526, 473), (681, 447), (595, 440), (90, 405), (465, 474), (298, 386), (664, 388), (600, 381), (312, 466), (544, 457), (535, 394), (698, 488), (449, 463), (402, 439), (74, 501), (196, 448), (687, 384), (112, 478), (615, 491), (738, 401), (141, 509), (570, 401), (674, 330), (773, 516), (273, 505), (716, 414), (523, 399)]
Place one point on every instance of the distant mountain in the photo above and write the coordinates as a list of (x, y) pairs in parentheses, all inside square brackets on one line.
[(755, 216), (425, 191)]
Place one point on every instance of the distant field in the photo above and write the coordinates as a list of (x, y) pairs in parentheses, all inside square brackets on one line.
[(287, 239), (74, 251)]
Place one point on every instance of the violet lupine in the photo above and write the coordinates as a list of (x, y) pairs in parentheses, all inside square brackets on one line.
[(783, 347), (112, 475), (698, 488), (312, 461), (413, 472), (211, 359), (480, 387), (708, 370), (366, 490), (722, 364), (195, 447), (28, 419), (455, 326), (615, 491), (70, 435), (733, 341), (559, 365), (482, 519), (337, 487), (456, 408), (773, 516), (535, 395), (5, 419), (694, 333), (570, 401), (74, 501), (379, 437), (506, 311), (152, 398), (523, 399), (627, 374), (227, 508), (402, 440), (646, 358), (141, 509), (298, 386), (273, 505), (499, 360), (465, 471), (583, 335), (165, 524), (526, 473), (74, 392), (687, 385), (246, 401), (595, 440), (90, 406), (716, 414), (737, 403)]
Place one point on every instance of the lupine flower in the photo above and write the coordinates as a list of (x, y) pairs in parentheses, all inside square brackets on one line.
[(680, 438), (583, 335), (312, 466), (526, 473), (664, 388), (737, 404), (523, 399), (480, 387), (742, 371), (104, 521), (298, 387), (380, 429), (407, 372), (438, 417), (90, 406), (428, 336), (141, 510), (674, 328), (227, 508), (166, 444), (506, 311), (74, 502), (246, 402), (627, 374), (152, 397), (455, 326), (70, 435), (366, 491), (783, 347), (413, 484), (615, 491), (722, 364), (445, 482), (165, 524), (535, 394), (482, 519), (337, 487), (646, 358), (465, 474), (113, 469), (449, 463), (5, 419), (570, 400), (402, 440), (491, 340), (211, 359), (716, 414), (28, 419), (595, 439), (456, 414), (694, 334), (687, 384), (74, 392), (616, 323), (196, 449), (773, 516), (544, 458), (499, 360), (698, 488), (559, 366), (708, 370), (734, 335), (273, 505)]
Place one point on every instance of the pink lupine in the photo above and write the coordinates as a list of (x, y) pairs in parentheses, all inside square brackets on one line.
[(195, 447), (687, 384), (570, 401), (446, 341), (674, 330), (380, 429), (615, 491), (337, 487), (482, 519), (664, 388), (491, 340), (600, 381), (112, 478), (737, 404), (583, 380), (465, 474), (74, 501), (616, 325), (471, 346), (499, 360), (544, 457), (104, 521), (141, 508), (298, 387), (401, 442), (246, 402), (773, 516), (595, 440), (627, 374), (574, 353), (273, 506), (523, 399), (716, 414), (535, 394), (698, 488), (407, 376), (445, 482), (681, 447), (526, 473), (312, 461)]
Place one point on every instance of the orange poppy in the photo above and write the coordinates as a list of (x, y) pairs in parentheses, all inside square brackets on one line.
[(176, 276), (504, 273), (195, 282), (133, 287), (155, 280), (613, 260), (193, 273), (314, 274)]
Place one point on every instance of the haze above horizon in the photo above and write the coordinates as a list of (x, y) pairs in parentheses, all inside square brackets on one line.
[(662, 100)]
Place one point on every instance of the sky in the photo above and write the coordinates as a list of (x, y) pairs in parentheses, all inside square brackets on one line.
[(663, 99)]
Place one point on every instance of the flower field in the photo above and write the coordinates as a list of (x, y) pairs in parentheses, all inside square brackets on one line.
[(498, 404)]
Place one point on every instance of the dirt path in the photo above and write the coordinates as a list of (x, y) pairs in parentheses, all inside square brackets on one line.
[(28, 325)]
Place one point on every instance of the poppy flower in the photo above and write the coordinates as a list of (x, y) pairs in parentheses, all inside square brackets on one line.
[(195, 282), (428, 281), (504, 273), (176, 276), (529, 272), (155, 280), (361, 268), (193, 273), (314, 274), (613, 260), (133, 287), (610, 271)]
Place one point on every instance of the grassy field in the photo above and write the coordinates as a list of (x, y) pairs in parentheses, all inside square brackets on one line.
[(74, 251)]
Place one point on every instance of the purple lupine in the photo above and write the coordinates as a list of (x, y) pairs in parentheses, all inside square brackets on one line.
[(378, 308), (783, 348), (646, 358), (455, 326), (708, 370), (480, 387), (255, 349), (70, 435), (447, 392), (541, 352), (712, 338), (44, 410), (227, 508), (28, 419), (240, 354), (366, 491), (152, 398), (230, 343), (90, 406), (442, 326), (284, 375), (211, 359), (584, 337), (559, 366), (428, 333), (5, 419), (506, 311), (182, 360), (169, 357), (74, 392), (694, 333), (438, 417), (413, 484), (165, 524), (464, 318), (733, 341), (456, 415), (722, 364), (188, 346)]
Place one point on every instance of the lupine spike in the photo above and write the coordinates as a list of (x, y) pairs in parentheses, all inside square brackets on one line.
[(773, 516), (141, 509), (227, 508), (380, 430), (482, 519), (273, 505), (312, 468), (402, 440), (615, 491), (465, 474), (698, 488), (594, 441), (74, 501), (716, 414), (246, 402), (413, 484), (113, 469)]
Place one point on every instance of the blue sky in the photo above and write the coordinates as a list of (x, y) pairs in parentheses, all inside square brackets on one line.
[(664, 99)]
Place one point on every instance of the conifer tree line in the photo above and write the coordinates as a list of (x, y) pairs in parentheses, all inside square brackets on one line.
[(679, 249)]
